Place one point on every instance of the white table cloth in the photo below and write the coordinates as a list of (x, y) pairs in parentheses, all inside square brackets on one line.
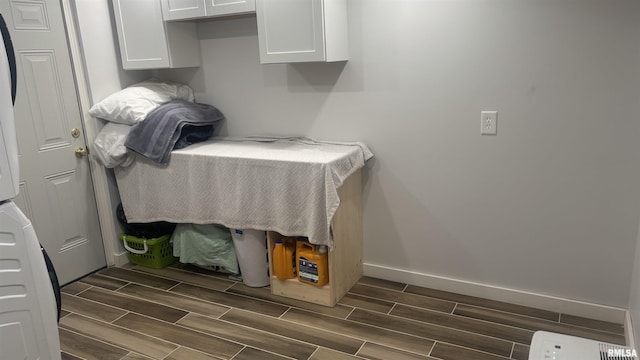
[(288, 185)]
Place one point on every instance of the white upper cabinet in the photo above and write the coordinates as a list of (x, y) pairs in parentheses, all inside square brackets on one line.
[(230, 7), (182, 9), (193, 9), (292, 31), (148, 42)]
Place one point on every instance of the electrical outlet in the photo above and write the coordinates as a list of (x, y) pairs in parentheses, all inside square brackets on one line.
[(489, 123)]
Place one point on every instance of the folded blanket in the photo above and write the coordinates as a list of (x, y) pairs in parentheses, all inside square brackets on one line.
[(165, 126)]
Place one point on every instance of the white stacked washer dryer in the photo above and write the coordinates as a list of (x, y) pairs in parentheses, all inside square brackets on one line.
[(28, 316)]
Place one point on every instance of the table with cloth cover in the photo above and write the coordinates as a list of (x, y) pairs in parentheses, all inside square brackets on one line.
[(288, 185)]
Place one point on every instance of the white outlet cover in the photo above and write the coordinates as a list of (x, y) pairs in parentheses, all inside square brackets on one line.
[(489, 123)]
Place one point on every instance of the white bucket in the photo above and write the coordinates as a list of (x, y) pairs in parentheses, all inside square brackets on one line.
[(251, 250)]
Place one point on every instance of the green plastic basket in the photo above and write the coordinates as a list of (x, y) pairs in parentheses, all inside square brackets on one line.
[(154, 253)]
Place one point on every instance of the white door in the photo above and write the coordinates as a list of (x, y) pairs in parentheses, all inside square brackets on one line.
[(56, 192)]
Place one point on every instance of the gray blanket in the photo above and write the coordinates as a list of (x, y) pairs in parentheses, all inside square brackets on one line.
[(176, 122)]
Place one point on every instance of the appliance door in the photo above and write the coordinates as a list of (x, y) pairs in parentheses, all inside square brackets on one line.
[(11, 57), (28, 317), (55, 284), (9, 175)]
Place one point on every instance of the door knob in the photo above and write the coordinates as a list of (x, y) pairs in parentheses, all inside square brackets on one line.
[(80, 152)]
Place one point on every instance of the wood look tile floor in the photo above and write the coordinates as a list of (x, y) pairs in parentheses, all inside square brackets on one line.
[(186, 313)]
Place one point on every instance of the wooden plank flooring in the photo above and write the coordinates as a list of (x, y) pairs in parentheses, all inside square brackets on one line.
[(184, 313)]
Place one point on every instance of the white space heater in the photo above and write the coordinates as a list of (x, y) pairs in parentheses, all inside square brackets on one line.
[(551, 346)]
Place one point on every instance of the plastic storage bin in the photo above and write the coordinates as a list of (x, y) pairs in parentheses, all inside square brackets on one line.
[(154, 253), (251, 251)]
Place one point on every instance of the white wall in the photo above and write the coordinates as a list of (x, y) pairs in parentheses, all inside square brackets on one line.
[(104, 76), (549, 206), (99, 42)]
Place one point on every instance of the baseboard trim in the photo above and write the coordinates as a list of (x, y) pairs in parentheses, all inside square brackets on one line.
[(120, 259), (628, 330), (540, 301)]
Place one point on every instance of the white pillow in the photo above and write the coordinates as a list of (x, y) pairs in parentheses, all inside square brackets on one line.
[(132, 105), (108, 146)]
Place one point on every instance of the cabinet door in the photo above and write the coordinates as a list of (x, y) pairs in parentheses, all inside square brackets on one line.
[(229, 7), (290, 30), (182, 9), (141, 33)]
